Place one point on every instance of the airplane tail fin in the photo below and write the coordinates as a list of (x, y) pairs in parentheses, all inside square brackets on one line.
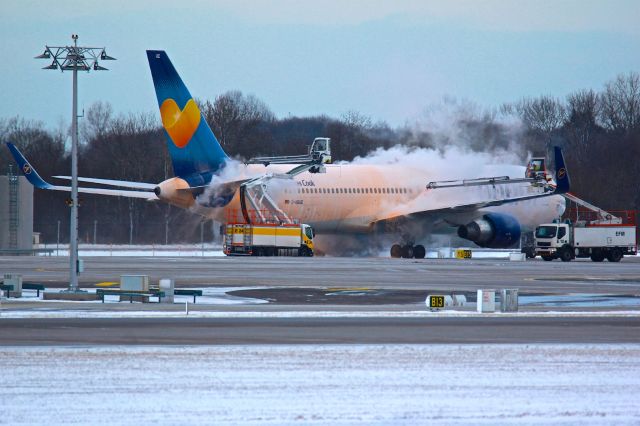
[(192, 145), (563, 183)]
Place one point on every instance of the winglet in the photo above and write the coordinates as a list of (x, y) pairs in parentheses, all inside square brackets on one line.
[(27, 169), (563, 183)]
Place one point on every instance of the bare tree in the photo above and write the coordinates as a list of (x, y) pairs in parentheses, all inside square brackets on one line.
[(544, 114), (621, 103), (232, 113), (583, 108), (97, 120), (356, 120)]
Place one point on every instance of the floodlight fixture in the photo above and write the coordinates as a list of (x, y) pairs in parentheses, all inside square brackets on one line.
[(105, 57)]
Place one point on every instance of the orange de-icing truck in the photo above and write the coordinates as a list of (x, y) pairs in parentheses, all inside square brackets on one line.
[(263, 238)]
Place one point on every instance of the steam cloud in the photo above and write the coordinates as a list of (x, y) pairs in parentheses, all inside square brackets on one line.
[(452, 141)]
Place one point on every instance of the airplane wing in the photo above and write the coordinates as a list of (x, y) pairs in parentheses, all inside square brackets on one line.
[(34, 178), (429, 204)]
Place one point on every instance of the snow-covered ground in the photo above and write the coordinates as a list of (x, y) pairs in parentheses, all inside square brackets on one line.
[(332, 384)]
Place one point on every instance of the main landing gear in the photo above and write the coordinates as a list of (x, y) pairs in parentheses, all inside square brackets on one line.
[(408, 251)]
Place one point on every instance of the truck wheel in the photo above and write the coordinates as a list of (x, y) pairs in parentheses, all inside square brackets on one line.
[(565, 255), (614, 255), (419, 251), (597, 256), (530, 253), (547, 258), (396, 250)]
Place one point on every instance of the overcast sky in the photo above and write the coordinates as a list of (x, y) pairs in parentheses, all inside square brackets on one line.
[(387, 59)]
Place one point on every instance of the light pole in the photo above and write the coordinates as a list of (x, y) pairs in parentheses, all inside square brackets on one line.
[(74, 58)]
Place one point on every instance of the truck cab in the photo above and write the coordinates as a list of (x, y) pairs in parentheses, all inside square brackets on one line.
[(537, 170), (553, 240), (307, 238)]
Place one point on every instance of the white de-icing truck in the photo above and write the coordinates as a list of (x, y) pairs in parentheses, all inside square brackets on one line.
[(268, 240), (566, 241)]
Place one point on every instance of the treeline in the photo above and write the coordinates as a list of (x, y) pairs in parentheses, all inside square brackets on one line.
[(600, 132)]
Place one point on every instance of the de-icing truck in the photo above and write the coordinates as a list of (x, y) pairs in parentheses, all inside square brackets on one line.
[(268, 240), (566, 241)]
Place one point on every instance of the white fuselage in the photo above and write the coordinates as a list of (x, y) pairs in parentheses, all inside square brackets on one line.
[(350, 198)]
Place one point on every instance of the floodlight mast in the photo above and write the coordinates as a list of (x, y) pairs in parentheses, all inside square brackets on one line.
[(74, 58)]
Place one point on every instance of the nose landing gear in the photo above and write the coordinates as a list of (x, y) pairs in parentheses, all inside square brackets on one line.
[(408, 251)]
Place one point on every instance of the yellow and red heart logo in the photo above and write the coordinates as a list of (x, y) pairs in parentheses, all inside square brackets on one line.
[(180, 124)]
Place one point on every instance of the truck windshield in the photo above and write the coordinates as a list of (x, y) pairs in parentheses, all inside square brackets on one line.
[(309, 232), (546, 231)]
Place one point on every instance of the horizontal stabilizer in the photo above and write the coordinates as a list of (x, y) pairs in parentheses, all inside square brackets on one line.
[(34, 178), (111, 182)]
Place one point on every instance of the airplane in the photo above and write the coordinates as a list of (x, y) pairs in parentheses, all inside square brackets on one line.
[(334, 199)]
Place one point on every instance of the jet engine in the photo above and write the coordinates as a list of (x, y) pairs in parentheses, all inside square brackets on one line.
[(493, 230), (175, 191)]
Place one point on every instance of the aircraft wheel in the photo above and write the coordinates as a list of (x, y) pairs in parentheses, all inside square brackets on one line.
[(615, 255), (419, 251), (396, 251), (407, 252)]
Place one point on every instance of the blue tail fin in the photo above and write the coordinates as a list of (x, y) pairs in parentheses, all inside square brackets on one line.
[(27, 170), (192, 145), (563, 183)]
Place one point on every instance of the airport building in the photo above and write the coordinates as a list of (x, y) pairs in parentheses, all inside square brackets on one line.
[(16, 213)]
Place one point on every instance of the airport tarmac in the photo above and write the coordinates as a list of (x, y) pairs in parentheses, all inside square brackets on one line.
[(329, 300), (580, 276), (318, 330)]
